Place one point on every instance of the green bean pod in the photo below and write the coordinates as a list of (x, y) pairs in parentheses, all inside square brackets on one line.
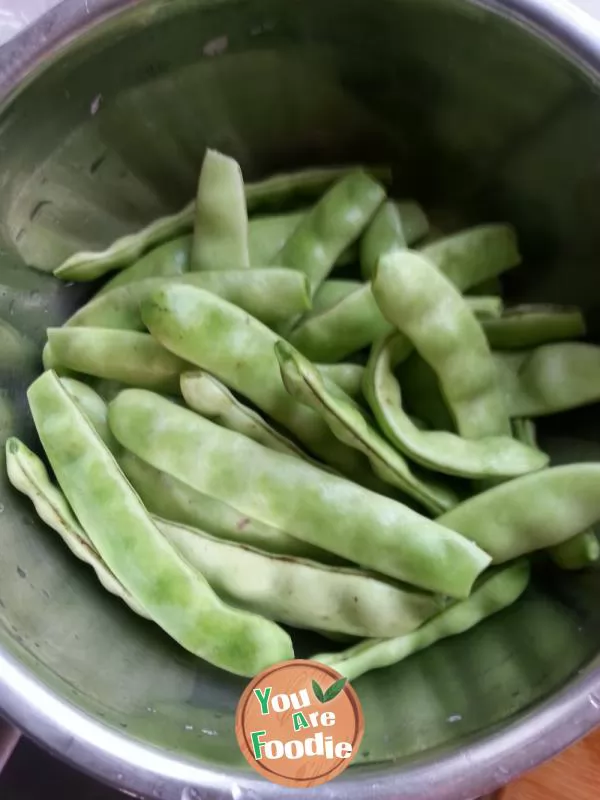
[(497, 590), (534, 325), (349, 423), (424, 305), (221, 221), (303, 593), (287, 493), (394, 227), (531, 513), (475, 255), (28, 474), (330, 292), (213, 400), (93, 407), (342, 329), (273, 192), (238, 350), (348, 376), (168, 260), (550, 378), (580, 552), (353, 320), (489, 457), (271, 295), (130, 357), (174, 595), (331, 226), (169, 498), (268, 234)]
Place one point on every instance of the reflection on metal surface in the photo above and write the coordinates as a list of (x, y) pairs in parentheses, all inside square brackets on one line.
[(478, 117), (9, 737), (15, 15)]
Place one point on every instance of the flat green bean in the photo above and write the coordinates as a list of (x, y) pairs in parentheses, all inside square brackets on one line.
[(302, 593), (580, 552), (268, 234), (174, 595), (221, 220), (208, 396), (353, 320), (524, 431), (342, 329), (271, 295), (533, 325), (424, 305), (497, 590), (394, 227), (486, 307), (346, 375), (238, 350), (550, 378), (331, 226), (168, 260), (273, 192), (89, 265), (490, 457), (330, 293), (531, 513), (94, 407), (171, 499), (473, 256), (314, 506), (132, 358), (49, 361), (28, 474), (352, 427)]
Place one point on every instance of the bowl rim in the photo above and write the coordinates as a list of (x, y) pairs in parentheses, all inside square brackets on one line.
[(109, 755)]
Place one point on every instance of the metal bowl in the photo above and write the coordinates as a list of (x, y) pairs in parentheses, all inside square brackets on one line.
[(488, 110)]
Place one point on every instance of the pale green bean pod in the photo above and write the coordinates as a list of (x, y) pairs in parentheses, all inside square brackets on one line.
[(238, 350), (172, 499), (268, 234), (550, 378), (424, 305), (530, 513), (174, 595), (28, 474), (221, 220), (271, 295), (208, 396), (349, 423), (475, 255), (273, 192), (490, 457), (303, 593), (534, 325), (333, 224), (130, 357), (497, 590), (394, 227), (168, 260), (285, 492)]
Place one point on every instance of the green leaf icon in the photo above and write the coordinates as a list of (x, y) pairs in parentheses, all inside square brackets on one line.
[(335, 689), (318, 692)]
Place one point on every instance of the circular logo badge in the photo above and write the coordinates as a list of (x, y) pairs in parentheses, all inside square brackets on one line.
[(299, 723)]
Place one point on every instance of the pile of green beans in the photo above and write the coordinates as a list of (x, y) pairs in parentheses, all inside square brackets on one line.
[(241, 438)]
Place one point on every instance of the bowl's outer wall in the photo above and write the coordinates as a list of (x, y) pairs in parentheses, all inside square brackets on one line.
[(481, 121)]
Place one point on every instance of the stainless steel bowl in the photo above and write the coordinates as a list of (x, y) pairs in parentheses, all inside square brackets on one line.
[(487, 110)]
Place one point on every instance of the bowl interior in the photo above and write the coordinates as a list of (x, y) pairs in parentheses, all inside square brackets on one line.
[(481, 120)]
